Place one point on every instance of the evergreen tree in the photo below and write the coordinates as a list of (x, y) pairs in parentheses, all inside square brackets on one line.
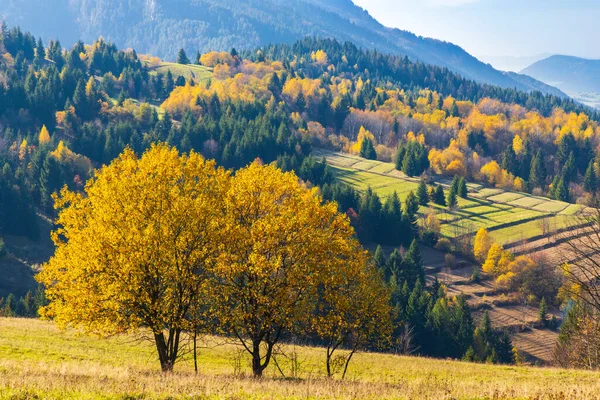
[(537, 176), (543, 311), (439, 197), (505, 349), (509, 160), (412, 266), (562, 191), (422, 193), (452, 199), (569, 171), (462, 188), (590, 182), (409, 166), (379, 260), (367, 150), (182, 58)]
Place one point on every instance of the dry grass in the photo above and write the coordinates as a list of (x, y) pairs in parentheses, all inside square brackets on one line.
[(37, 361)]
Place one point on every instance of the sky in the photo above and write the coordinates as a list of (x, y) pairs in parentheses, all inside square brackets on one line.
[(517, 28)]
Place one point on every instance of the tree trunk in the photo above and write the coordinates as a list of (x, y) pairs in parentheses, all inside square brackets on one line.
[(195, 354), (167, 349), (257, 369), (257, 365)]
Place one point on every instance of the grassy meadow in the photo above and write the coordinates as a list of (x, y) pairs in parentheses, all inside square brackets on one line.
[(198, 72), (39, 362), (509, 216)]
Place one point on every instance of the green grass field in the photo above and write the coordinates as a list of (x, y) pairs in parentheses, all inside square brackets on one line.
[(509, 216), (198, 72), (39, 362)]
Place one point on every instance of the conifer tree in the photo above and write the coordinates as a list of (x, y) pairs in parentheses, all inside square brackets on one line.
[(537, 176), (182, 58), (439, 197), (452, 200), (462, 188), (590, 182), (422, 193), (543, 311)]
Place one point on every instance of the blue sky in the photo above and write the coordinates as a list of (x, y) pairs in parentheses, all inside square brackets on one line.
[(499, 27)]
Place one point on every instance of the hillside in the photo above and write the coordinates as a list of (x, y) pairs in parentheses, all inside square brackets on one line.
[(578, 77), (37, 361), (160, 27), (513, 219)]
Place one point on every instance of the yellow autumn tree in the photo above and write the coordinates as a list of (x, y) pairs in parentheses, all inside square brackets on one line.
[(362, 135), (481, 246), (518, 144), (285, 246), (134, 250), (44, 137), (493, 257), (354, 311)]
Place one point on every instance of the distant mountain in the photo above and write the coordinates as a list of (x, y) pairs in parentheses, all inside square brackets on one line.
[(571, 74), (161, 27), (512, 63), (578, 77)]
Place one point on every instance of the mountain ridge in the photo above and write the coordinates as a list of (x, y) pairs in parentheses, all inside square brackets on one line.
[(159, 27)]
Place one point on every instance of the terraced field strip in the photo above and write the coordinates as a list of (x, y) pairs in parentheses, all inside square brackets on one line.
[(536, 343), (511, 217)]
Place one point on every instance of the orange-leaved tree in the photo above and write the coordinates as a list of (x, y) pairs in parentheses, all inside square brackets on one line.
[(136, 248), (283, 246)]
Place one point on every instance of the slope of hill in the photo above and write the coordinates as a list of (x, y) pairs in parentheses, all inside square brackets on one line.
[(160, 27), (578, 77), (40, 362)]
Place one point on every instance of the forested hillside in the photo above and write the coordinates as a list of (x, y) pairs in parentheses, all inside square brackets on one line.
[(160, 27), (66, 112)]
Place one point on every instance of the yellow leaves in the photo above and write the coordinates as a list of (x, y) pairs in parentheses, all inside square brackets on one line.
[(493, 258), (482, 244), (362, 135), (320, 57), (44, 137), (517, 144), (23, 150), (214, 58), (138, 235), (450, 161)]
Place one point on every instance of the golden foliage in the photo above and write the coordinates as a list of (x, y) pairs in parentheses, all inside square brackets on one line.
[(44, 137), (482, 244)]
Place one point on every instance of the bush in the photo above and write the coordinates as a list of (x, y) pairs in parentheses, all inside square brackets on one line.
[(444, 244)]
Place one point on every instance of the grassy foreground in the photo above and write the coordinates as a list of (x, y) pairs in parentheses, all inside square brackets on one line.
[(37, 361)]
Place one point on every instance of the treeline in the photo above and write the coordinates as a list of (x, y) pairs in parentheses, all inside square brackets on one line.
[(383, 69)]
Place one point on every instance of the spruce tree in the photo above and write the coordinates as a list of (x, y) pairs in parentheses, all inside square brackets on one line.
[(412, 266), (462, 188), (422, 193), (379, 259), (509, 160), (452, 199), (367, 150), (182, 58), (543, 311), (537, 176), (505, 349), (562, 191), (439, 197), (409, 166), (569, 171), (590, 182)]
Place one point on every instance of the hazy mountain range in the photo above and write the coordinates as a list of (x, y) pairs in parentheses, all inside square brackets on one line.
[(578, 77), (161, 27)]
